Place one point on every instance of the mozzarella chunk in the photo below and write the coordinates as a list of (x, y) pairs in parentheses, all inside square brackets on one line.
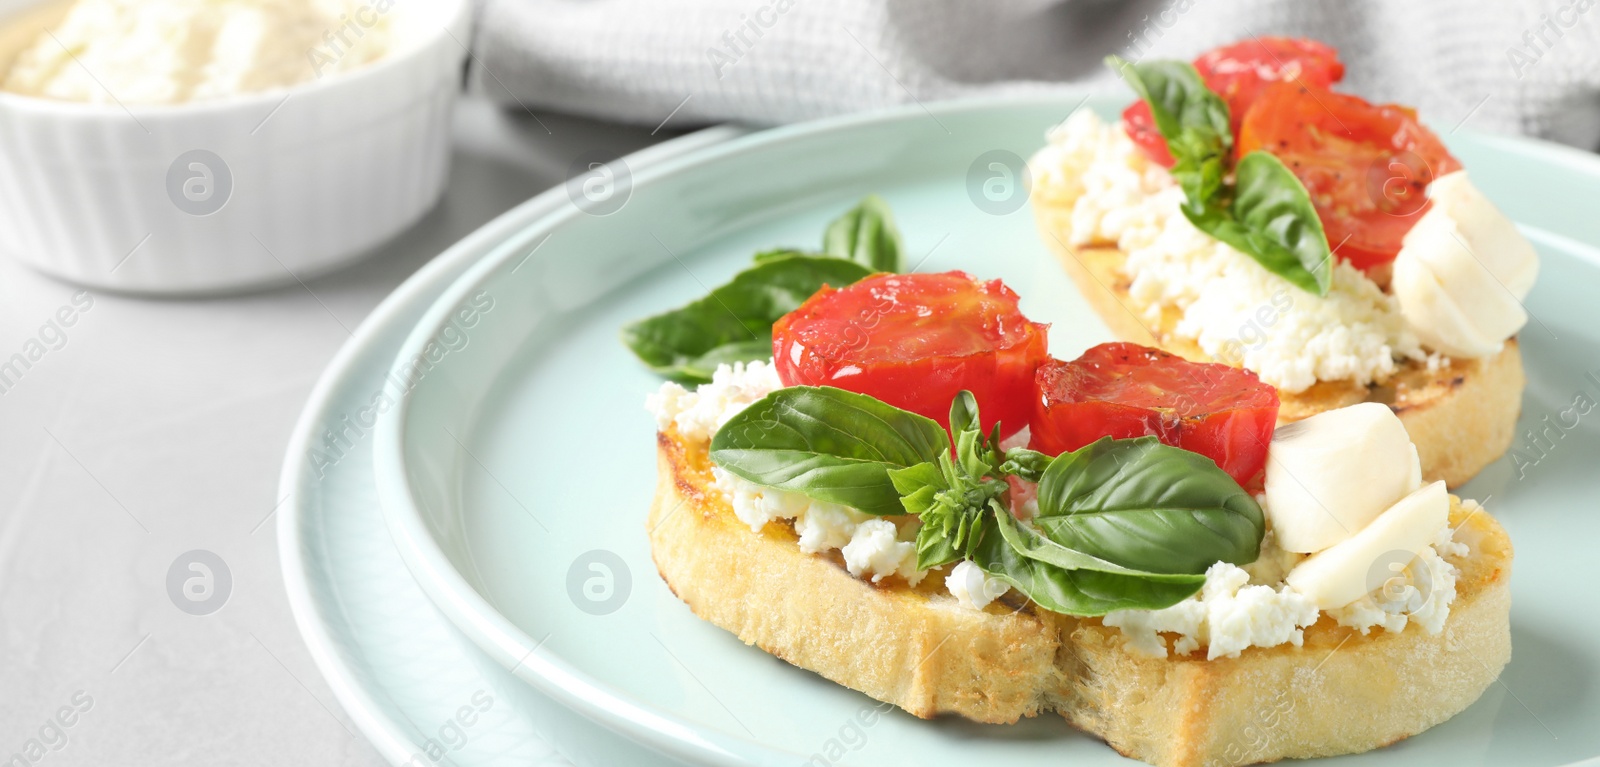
[(1331, 474), (1363, 563), (1463, 271)]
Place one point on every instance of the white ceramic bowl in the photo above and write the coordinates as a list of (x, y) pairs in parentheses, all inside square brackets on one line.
[(241, 192)]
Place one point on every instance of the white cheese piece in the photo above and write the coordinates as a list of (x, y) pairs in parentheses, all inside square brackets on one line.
[(875, 550), (823, 527), (973, 588), (1463, 271), (1230, 305), (698, 414), (1360, 564), (1331, 474)]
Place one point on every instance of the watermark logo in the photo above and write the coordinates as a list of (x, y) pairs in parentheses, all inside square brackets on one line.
[(1392, 572), (598, 186), (1542, 437), (1542, 37), (339, 41), (453, 734), (54, 734), (1254, 332), (342, 434), (998, 182), (199, 182), (740, 40), (851, 736), (1398, 185), (598, 582), (199, 582), (51, 337)]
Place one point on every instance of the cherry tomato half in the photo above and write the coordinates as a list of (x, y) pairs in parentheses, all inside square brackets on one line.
[(915, 341), (1124, 390), (1239, 73), (1367, 166)]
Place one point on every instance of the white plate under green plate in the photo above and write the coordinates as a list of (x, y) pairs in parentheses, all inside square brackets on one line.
[(397, 667), (517, 472)]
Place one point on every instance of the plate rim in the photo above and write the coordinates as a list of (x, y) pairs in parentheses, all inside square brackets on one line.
[(358, 702), (513, 647)]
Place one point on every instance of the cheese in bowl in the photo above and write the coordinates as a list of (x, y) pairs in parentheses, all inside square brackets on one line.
[(174, 51)]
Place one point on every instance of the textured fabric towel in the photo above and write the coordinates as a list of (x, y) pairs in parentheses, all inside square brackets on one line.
[(1509, 66)]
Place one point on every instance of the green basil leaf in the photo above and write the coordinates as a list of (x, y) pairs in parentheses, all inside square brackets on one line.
[(1072, 592), (1272, 220), (1192, 118), (1033, 545), (781, 253), (1267, 213), (1146, 506), (734, 322), (829, 444), (964, 413), (867, 235)]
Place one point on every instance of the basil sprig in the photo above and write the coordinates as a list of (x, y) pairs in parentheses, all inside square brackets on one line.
[(1122, 524), (734, 322), (1266, 212)]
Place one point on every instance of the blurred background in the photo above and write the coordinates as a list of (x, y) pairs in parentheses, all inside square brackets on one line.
[(200, 200)]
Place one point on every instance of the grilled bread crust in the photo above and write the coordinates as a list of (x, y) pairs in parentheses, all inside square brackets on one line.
[(1341, 692)]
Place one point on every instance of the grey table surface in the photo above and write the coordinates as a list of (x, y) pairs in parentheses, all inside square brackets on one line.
[(157, 427)]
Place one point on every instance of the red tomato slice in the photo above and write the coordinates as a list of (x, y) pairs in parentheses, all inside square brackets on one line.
[(1125, 390), (915, 341), (1239, 73), (1141, 127), (1367, 166)]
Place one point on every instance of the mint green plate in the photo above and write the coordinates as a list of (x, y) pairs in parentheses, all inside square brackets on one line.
[(516, 473)]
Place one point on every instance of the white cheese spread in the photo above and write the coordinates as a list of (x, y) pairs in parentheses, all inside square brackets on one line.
[(872, 547), (698, 414), (1230, 305), (173, 51)]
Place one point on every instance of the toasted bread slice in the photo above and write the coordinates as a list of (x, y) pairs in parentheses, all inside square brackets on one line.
[(1461, 416), (1342, 692)]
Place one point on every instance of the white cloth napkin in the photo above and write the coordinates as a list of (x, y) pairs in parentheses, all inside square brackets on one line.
[(1509, 66)]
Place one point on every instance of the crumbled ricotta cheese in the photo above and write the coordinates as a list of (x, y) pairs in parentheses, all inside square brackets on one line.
[(872, 547), (1250, 606), (1230, 305), (1228, 615), (172, 51), (698, 414), (875, 549), (972, 587)]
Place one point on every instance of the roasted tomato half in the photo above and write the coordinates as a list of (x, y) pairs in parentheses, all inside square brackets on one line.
[(1367, 166), (1124, 390), (915, 341), (1239, 73)]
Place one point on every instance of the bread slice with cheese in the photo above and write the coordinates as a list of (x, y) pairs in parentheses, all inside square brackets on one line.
[(1341, 692), (1461, 416)]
